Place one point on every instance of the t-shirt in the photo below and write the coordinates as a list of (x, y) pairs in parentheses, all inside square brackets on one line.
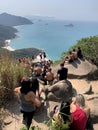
[(26, 106), (62, 73), (79, 119)]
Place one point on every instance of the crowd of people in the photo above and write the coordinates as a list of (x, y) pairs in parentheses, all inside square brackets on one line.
[(68, 115)]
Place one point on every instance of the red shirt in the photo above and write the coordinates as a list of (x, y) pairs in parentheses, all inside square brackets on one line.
[(79, 119)]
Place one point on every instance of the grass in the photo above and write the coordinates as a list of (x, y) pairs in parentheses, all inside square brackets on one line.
[(10, 74)]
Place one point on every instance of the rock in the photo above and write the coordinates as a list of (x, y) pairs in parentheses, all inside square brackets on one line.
[(87, 90), (93, 75), (60, 91), (8, 120), (94, 109), (82, 69), (91, 97)]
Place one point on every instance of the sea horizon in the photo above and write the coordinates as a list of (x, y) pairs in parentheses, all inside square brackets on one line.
[(53, 36)]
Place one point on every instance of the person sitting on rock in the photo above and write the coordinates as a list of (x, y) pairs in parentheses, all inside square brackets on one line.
[(75, 56), (69, 58), (79, 53)]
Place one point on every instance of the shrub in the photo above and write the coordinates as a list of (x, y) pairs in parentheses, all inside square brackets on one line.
[(10, 75), (89, 47)]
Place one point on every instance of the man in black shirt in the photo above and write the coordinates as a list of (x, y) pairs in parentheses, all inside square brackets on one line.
[(62, 72)]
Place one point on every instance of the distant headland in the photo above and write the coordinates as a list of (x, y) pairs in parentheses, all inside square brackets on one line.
[(7, 31), (12, 20)]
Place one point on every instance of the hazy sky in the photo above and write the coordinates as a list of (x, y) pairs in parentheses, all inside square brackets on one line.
[(66, 9)]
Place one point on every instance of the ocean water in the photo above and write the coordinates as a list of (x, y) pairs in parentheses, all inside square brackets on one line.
[(53, 36)]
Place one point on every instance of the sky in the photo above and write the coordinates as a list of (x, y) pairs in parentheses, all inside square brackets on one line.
[(85, 10)]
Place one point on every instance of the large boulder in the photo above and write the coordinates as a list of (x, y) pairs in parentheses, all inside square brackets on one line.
[(82, 69), (92, 101), (60, 91)]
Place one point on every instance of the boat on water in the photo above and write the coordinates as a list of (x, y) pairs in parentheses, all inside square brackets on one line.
[(46, 24)]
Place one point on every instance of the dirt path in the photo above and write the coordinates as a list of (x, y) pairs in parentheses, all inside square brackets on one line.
[(39, 119), (16, 116)]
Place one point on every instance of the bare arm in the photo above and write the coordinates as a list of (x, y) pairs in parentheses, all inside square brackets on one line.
[(34, 99), (56, 117), (17, 90), (37, 93), (87, 111)]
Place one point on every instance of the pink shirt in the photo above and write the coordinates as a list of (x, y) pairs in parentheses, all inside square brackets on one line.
[(79, 119)]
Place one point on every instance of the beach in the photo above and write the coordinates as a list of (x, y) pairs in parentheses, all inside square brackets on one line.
[(7, 45), (54, 38)]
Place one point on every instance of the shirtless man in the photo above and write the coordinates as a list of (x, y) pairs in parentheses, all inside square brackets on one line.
[(49, 76)]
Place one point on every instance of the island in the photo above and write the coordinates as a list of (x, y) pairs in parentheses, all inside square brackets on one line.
[(69, 25)]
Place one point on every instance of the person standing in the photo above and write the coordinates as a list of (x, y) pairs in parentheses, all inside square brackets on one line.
[(79, 53), (49, 76), (44, 55), (62, 72), (28, 101)]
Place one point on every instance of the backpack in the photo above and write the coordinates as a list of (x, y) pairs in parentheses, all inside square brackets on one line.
[(64, 114)]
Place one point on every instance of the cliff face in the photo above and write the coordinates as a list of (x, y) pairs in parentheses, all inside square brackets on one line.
[(12, 20)]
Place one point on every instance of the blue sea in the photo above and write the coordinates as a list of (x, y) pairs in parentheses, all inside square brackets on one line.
[(53, 36)]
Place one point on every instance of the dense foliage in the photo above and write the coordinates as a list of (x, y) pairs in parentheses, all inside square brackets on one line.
[(26, 52), (6, 32), (10, 74), (17, 54), (89, 47)]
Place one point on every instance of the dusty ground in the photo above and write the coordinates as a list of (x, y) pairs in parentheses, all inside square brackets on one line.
[(16, 117)]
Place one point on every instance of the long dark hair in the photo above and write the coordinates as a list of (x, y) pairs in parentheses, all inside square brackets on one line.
[(25, 85), (34, 84)]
